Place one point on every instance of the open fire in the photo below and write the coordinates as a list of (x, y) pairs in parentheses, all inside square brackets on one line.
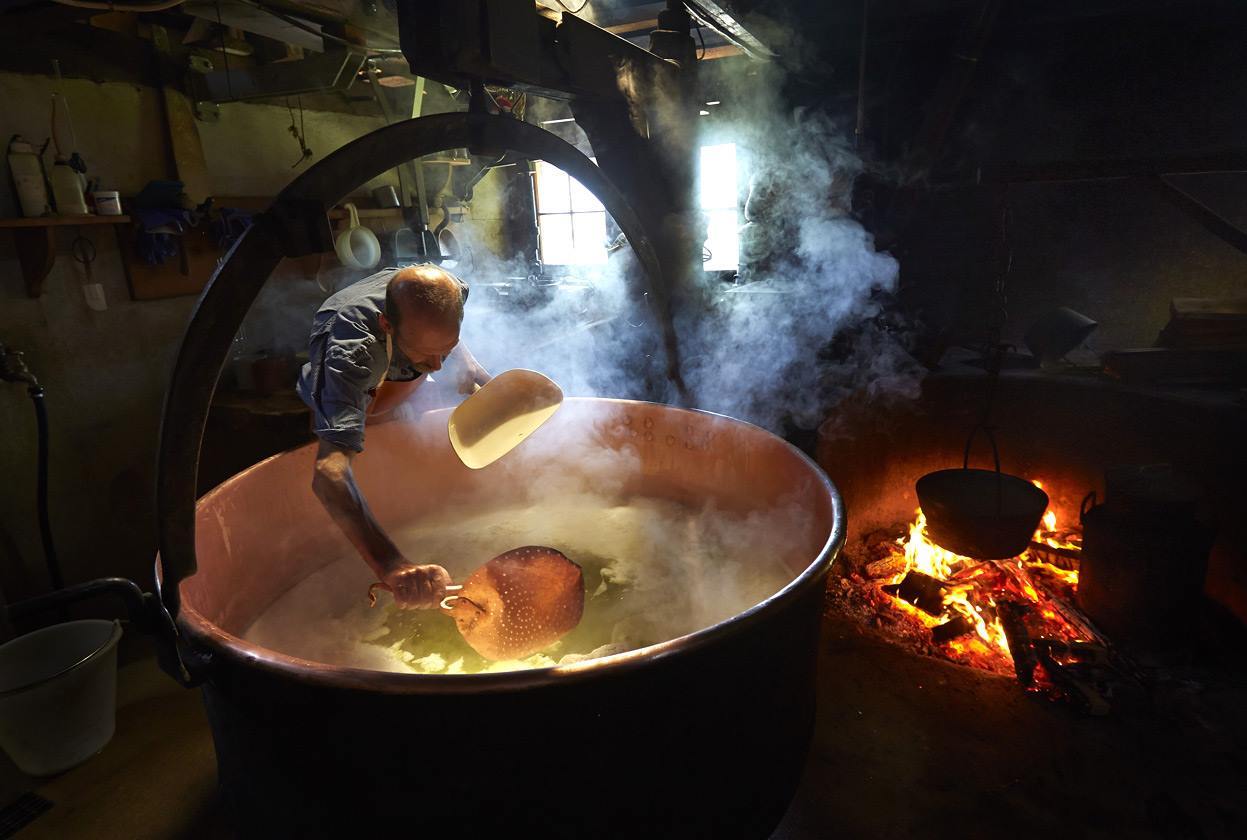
[(1014, 616)]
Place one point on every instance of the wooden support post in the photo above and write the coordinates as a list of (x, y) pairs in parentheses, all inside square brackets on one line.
[(36, 251), (184, 141)]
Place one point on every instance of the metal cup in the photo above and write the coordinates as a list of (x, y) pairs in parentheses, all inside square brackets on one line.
[(385, 196)]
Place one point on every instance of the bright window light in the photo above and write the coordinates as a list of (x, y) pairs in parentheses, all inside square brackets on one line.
[(717, 193), (571, 223)]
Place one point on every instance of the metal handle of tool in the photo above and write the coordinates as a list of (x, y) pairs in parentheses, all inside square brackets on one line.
[(444, 604)]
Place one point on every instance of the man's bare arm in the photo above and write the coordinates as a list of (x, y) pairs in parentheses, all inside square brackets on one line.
[(334, 484)]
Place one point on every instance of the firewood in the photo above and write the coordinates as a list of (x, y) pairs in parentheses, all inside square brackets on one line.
[(923, 591), (887, 567), (1075, 682), (1062, 558), (956, 626), (1013, 620)]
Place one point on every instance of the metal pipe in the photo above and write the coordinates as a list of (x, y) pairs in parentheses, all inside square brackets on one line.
[(860, 128), (145, 612), (127, 591), (13, 369), (45, 521)]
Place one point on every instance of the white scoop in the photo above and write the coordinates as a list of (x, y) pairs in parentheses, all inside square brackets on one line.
[(499, 416)]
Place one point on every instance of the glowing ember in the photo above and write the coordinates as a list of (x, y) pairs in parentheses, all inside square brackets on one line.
[(975, 594)]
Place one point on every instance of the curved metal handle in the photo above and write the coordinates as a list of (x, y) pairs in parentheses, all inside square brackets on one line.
[(965, 462), (987, 430), (1086, 506), (296, 225)]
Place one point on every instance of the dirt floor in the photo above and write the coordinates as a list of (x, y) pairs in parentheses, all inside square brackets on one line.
[(910, 746), (906, 746)]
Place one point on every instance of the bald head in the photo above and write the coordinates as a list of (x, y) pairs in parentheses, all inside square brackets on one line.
[(423, 310), (426, 292)]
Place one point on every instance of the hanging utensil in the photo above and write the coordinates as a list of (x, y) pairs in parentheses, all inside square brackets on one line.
[(83, 251)]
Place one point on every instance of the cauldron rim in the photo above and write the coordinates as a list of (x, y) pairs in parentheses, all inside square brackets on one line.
[(221, 643)]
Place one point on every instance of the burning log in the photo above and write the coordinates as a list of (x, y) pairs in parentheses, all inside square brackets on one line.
[(1013, 620), (1062, 558), (923, 591), (955, 627), (887, 567), (1075, 681)]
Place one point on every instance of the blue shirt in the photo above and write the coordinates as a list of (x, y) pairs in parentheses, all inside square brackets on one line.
[(346, 361)]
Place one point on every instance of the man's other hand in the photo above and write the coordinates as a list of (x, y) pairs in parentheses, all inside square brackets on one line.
[(472, 377), (417, 587)]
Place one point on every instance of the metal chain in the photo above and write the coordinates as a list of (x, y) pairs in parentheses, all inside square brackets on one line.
[(1000, 300)]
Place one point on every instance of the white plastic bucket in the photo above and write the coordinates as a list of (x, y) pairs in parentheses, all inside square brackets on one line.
[(58, 695)]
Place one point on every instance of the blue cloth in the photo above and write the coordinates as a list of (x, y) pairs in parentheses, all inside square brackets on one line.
[(346, 360)]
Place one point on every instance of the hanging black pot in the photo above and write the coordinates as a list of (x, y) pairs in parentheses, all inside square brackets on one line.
[(980, 513)]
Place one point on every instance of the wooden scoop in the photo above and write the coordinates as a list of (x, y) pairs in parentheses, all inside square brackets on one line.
[(497, 418), (517, 603)]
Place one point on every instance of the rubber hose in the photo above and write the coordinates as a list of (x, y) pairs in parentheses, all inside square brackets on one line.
[(45, 522)]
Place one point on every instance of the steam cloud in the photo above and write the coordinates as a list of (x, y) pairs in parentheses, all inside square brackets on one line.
[(806, 326)]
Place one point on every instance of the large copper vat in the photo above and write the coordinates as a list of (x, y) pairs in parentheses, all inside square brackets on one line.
[(700, 736)]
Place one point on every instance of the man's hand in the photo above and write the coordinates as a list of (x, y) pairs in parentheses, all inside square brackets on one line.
[(472, 375), (417, 587), (472, 378)]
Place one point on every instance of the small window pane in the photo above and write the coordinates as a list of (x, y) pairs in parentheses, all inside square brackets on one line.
[(717, 177), (553, 190), (582, 199), (589, 233), (723, 240), (556, 239)]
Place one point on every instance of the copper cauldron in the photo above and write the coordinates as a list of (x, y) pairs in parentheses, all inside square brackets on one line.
[(699, 736), (703, 735)]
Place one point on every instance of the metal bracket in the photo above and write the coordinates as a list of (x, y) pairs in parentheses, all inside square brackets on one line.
[(146, 613), (208, 112)]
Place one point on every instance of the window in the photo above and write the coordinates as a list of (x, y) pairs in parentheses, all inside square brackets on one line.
[(716, 190), (572, 223)]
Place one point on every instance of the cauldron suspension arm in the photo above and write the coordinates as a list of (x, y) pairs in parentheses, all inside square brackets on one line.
[(145, 612), (297, 225)]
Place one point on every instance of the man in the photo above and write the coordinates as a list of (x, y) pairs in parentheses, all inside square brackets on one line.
[(371, 345)]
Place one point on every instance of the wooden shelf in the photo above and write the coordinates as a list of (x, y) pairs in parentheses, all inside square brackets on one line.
[(35, 239), (63, 221)]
